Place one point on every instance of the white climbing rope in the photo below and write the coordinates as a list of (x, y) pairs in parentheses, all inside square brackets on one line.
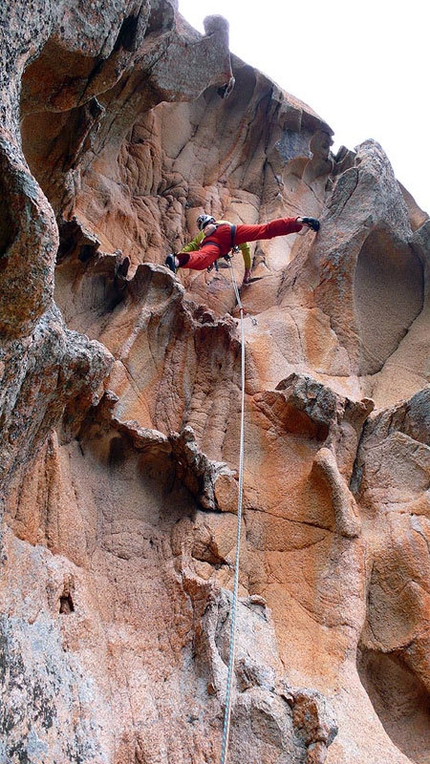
[(228, 697)]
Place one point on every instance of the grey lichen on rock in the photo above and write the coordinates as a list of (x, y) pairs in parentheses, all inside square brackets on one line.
[(120, 410)]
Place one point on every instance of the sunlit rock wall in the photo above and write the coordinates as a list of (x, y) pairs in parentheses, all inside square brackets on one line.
[(121, 411)]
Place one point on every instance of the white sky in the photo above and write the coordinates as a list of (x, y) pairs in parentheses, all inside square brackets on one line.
[(362, 66)]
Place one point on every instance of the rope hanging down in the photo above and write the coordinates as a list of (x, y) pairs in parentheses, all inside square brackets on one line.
[(227, 712)]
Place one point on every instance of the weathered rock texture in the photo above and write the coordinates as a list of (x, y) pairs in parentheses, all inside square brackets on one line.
[(120, 411)]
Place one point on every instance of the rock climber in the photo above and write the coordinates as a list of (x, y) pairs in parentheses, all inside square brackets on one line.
[(194, 245), (219, 238)]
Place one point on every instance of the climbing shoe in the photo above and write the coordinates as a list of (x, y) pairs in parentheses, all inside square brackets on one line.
[(170, 262), (312, 223)]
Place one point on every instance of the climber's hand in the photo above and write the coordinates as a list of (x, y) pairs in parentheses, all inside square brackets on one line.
[(310, 223), (246, 276)]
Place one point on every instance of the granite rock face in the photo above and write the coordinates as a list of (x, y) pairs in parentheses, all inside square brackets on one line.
[(121, 411)]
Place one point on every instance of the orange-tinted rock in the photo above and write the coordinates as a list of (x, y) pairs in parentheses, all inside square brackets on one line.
[(121, 411)]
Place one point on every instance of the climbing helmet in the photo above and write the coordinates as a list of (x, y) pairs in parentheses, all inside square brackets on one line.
[(203, 221)]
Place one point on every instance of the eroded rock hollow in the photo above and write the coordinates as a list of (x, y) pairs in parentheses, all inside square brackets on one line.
[(121, 411)]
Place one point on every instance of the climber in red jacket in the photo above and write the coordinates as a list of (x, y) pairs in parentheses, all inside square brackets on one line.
[(220, 239)]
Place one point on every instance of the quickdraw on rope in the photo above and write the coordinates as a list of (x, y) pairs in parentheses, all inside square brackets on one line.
[(228, 698)]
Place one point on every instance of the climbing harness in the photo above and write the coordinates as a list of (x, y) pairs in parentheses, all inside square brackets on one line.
[(234, 248), (215, 264), (227, 712)]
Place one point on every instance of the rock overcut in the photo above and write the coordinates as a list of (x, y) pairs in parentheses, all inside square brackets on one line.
[(121, 411)]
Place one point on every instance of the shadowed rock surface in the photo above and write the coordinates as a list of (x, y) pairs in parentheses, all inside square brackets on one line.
[(120, 410)]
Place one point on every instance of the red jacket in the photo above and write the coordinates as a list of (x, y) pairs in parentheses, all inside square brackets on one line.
[(222, 240)]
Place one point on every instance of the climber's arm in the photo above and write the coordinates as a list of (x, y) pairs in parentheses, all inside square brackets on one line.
[(194, 245)]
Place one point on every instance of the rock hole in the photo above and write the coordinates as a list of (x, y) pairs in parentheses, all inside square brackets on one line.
[(74, 240), (85, 253), (117, 452), (127, 34), (8, 229), (66, 603), (388, 296), (401, 701)]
